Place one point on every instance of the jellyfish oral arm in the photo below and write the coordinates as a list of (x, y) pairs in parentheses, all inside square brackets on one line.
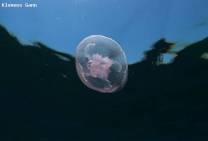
[(99, 66)]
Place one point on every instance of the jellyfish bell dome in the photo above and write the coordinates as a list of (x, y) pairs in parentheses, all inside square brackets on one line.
[(101, 64)]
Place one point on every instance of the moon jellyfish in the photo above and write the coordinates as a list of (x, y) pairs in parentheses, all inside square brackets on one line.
[(101, 64)]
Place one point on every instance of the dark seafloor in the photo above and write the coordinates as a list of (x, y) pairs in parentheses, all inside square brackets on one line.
[(42, 98)]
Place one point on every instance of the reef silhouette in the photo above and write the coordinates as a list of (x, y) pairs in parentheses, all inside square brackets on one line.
[(42, 98)]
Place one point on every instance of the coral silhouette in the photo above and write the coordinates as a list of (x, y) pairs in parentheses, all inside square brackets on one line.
[(41, 97)]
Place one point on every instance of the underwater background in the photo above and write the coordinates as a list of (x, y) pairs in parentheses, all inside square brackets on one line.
[(135, 24), (165, 98)]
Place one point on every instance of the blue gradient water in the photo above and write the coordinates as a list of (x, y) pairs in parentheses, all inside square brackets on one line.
[(135, 24)]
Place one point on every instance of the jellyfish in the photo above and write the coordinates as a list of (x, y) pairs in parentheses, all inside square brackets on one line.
[(101, 64)]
